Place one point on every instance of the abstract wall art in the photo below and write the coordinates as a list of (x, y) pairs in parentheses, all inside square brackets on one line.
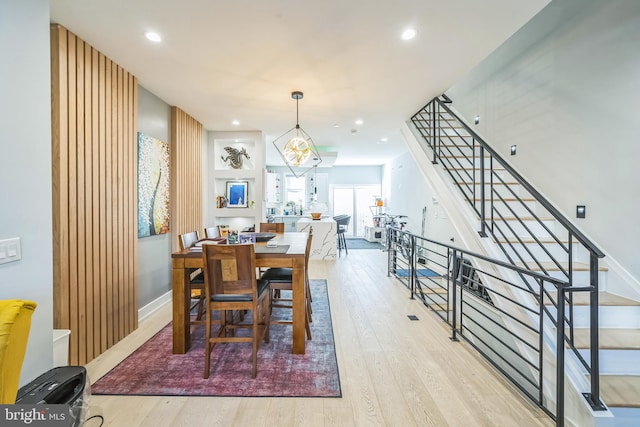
[(153, 186)]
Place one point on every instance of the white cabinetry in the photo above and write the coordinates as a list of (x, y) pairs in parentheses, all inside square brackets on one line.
[(290, 221), (220, 172), (272, 187)]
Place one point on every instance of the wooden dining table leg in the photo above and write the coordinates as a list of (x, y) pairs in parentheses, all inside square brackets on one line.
[(299, 306), (181, 305)]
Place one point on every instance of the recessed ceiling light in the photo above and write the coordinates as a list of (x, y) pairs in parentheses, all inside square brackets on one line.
[(359, 122), (236, 122), (408, 34), (153, 36), (336, 125)]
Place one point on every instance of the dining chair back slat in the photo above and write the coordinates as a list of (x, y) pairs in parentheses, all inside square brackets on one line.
[(272, 227)]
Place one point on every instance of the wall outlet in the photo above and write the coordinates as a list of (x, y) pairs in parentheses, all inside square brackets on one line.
[(10, 250)]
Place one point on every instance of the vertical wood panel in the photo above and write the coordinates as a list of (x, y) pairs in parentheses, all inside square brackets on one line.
[(80, 197), (109, 194), (119, 190), (94, 119), (88, 201), (95, 194), (186, 174), (73, 199), (102, 104), (60, 161)]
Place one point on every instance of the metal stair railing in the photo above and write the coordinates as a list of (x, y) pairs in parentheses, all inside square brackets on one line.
[(488, 311), (531, 233)]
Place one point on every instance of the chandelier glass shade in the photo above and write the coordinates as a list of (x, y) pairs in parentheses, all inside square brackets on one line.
[(296, 147)]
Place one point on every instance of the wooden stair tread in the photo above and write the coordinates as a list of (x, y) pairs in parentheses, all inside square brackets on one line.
[(550, 266), (543, 240), (610, 338), (620, 390), (604, 299), (426, 290)]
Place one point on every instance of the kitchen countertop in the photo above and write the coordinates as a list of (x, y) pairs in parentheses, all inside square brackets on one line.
[(322, 219), (296, 216)]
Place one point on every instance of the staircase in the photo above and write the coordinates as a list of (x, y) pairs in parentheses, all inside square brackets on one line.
[(525, 230)]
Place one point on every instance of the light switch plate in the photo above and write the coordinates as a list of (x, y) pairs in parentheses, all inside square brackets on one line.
[(10, 250)]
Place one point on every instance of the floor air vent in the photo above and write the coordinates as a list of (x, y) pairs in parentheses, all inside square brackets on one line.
[(412, 317)]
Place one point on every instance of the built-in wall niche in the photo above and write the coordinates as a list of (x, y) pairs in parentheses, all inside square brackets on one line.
[(221, 171), (235, 154), (253, 194)]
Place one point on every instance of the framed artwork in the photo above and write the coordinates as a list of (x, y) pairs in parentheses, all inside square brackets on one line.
[(237, 194), (153, 186)]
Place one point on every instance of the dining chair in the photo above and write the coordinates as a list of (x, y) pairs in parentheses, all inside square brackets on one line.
[(211, 232), (231, 286), (196, 280), (281, 279), (272, 227)]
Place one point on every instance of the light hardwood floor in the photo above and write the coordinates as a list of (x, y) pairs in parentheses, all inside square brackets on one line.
[(393, 371)]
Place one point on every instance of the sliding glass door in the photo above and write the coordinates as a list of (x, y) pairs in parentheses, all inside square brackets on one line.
[(356, 201)]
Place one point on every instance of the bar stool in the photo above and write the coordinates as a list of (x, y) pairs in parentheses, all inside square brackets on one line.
[(342, 222)]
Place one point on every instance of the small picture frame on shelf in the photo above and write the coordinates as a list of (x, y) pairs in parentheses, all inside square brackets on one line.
[(247, 238), (237, 192), (223, 230)]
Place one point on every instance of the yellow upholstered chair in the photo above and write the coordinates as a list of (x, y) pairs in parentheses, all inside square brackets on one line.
[(15, 323)]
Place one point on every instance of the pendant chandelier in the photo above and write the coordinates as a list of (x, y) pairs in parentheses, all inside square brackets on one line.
[(296, 146)]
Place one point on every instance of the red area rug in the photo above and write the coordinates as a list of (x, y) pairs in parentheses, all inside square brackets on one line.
[(153, 370)]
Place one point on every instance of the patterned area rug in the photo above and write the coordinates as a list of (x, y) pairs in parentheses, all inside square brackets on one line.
[(153, 370)]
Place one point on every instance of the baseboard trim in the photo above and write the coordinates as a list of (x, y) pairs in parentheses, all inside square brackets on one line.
[(154, 306)]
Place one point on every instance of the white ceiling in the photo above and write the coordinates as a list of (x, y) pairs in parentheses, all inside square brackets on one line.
[(240, 60)]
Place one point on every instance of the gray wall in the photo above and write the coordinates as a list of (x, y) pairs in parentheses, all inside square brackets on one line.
[(565, 90), (154, 252), (25, 169)]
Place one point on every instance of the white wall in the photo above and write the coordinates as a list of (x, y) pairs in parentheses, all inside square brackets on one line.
[(25, 169), (354, 175), (154, 252), (406, 192), (565, 90)]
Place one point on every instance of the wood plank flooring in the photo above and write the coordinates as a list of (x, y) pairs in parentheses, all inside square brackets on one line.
[(393, 371)]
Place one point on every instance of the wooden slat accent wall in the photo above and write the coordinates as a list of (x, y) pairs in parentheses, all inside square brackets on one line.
[(186, 175), (94, 145)]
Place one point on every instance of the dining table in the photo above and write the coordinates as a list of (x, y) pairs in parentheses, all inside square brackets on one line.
[(289, 253)]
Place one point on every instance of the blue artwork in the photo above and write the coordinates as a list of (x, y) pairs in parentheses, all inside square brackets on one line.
[(237, 194)]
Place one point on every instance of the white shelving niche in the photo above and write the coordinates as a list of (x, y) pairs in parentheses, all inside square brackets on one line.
[(221, 172)]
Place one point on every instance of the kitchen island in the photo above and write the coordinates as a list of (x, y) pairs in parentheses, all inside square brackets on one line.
[(323, 245)]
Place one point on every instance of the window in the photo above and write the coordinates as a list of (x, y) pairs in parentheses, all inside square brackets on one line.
[(295, 189)]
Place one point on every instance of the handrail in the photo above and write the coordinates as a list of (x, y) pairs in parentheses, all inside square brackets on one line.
[(459, 149), (539, 197), (497, 342)]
